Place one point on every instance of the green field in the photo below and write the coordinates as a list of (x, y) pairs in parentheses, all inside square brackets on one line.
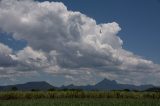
[(77, 94), (81, 102), (79, 98)]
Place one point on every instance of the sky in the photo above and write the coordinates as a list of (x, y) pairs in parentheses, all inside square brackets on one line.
[(79, 42), (139, 20)]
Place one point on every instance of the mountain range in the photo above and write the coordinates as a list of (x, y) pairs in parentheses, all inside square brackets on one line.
[(105, 84)]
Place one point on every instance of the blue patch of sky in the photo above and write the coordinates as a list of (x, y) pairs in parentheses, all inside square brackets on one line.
[(8, 40)]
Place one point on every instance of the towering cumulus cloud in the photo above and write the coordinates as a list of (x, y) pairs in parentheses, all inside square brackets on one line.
[(68, 44)]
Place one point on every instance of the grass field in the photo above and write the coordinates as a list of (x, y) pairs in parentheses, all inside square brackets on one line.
[(78, 94), (79, 98), (81, 102)]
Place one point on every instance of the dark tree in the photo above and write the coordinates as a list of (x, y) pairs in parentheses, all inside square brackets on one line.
[(34, 90), (14, 88)]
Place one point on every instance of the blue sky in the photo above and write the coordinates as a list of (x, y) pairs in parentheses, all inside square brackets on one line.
[(41, 40)]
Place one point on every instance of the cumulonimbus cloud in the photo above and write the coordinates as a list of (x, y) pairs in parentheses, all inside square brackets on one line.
[(68, 43)]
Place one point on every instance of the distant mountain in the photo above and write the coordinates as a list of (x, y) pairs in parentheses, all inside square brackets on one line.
[(102, 85), (108, 85), (113, 85), (29, 86), (71, 86)]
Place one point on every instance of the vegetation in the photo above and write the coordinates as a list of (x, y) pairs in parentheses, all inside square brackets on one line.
[(14, 89), (78, 94), (79, 98), (154, 89), (81, 102)]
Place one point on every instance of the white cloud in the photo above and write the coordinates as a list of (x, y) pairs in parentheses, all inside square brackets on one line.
[(5, 49), (5, 56), (68, 43), (9, 69)]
